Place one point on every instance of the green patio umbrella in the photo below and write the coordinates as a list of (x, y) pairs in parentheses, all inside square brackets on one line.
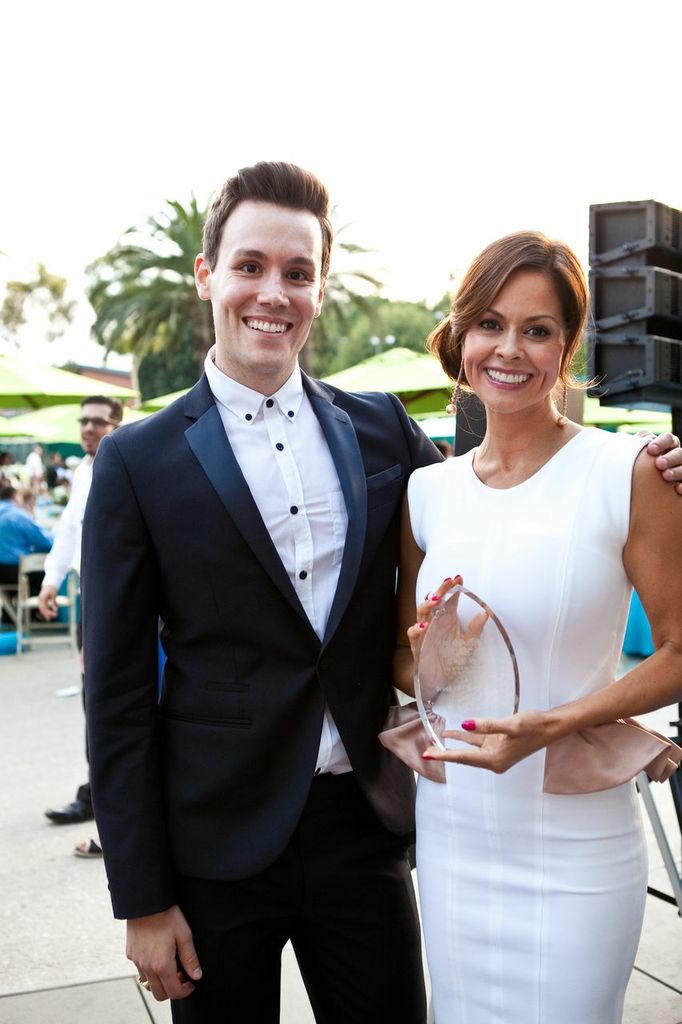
[(161, 401), (417, 378), (56, 424), (596, 415), (29, 385)]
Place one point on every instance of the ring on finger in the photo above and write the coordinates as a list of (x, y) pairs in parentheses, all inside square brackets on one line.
[(143, 983)]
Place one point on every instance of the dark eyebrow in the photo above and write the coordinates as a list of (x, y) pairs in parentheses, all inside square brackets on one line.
[(256, 254), (539, 316)]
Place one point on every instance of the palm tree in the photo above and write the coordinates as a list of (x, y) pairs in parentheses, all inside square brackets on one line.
[(341, 301), (143, 290)]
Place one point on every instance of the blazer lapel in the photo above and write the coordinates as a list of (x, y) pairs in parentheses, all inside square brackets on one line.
[(343, 444), (207, 439)]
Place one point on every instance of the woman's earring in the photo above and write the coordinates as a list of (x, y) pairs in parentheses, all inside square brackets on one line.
[(563, 415), (451, 407)]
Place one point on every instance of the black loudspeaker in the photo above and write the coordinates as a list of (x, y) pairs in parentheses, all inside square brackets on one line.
[(635, 337), (646, 234)]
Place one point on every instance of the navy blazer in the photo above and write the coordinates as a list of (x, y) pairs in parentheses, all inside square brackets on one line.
[(210, 781)]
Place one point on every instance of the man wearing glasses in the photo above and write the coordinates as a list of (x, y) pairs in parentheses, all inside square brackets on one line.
[(99, 416)]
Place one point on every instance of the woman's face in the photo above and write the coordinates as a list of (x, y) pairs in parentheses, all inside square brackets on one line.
[(512, 355)]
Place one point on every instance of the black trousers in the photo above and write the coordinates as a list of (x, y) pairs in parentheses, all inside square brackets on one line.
[(342, 892)]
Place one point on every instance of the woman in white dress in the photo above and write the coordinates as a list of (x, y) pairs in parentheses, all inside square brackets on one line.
[(532, 901)]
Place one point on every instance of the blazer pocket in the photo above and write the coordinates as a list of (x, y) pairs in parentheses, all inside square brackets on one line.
[(384, 477), (385, 488), (234, 721)]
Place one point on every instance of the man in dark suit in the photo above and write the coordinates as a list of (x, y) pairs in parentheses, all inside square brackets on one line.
[(258, 519)]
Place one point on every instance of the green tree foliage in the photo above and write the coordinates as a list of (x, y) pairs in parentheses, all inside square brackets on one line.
[(143, 292), (44, 293), (343, 304), (159, 375), (377, 325)]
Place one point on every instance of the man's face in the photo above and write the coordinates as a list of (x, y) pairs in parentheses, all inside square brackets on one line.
[(265, 289), (96, 423)]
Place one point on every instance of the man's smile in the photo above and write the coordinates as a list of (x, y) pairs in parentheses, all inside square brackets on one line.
[(268, 326)]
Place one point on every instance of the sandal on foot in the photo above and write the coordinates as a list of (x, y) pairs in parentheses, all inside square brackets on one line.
[(87, 848)]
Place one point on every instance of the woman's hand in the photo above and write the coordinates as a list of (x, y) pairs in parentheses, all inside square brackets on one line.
[(417, 632), (499, 743), (452, 646)]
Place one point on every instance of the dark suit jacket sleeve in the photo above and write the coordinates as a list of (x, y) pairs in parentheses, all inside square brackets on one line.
[(423, 451), (121, 602)]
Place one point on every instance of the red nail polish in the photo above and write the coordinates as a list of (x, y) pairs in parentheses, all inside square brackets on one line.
[(469, 724), (422, 625), (427, 757), (447, 579), (435, 597)]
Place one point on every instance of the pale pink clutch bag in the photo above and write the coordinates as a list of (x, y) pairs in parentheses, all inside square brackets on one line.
[(604, 756), (405, 737)]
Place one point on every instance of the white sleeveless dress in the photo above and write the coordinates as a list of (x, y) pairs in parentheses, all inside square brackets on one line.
[(532, 903)]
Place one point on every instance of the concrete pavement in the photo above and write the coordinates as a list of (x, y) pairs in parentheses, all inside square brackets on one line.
[(62, 954)]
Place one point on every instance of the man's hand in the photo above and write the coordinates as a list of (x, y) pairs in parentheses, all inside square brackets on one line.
[(666, 450), (47, 602), (157, 944)]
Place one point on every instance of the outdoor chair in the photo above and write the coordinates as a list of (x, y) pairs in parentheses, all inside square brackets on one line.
[(8, 601), (27, 627)]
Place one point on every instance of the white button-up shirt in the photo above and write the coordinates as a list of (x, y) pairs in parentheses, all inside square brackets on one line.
[(283, 455), (66, 549)]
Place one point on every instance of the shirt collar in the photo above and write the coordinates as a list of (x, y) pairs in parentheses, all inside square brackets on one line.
[(245, 403)]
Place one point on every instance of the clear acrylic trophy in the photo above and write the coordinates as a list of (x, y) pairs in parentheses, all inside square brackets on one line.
[(466, 667)]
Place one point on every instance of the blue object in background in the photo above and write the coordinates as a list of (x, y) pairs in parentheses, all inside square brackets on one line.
[(162, 662), (638, 639), (8, 642)]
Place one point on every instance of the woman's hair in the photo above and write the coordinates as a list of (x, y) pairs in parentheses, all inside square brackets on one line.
[(489, 272)]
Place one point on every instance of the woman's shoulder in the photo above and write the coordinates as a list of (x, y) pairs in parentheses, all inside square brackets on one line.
[(617, 450)]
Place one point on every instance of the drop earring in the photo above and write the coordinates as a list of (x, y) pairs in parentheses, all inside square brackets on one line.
[(451, 407), (563, 415)]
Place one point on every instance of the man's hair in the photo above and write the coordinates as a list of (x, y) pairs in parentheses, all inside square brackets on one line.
[(267, 182), (115, 407), (7, 492)]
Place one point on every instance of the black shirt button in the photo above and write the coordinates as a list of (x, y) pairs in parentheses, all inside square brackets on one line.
[(269, 403), (293, 509), (302, 574), (279, 446), (290, 413), (248, 416)]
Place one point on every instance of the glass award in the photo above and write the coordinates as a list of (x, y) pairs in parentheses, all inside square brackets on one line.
[(466, 667)]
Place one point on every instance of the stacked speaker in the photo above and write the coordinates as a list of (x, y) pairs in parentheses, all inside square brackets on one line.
[(635, 336)]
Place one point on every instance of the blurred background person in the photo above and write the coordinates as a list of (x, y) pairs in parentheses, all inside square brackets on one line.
[(35, 467), (100, 415), (19, 535)]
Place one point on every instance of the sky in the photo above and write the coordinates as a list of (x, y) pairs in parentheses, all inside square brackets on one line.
[(437, 127)]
